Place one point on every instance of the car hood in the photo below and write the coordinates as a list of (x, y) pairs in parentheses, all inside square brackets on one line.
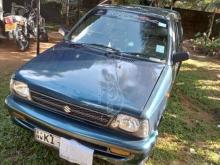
[(87, 76)]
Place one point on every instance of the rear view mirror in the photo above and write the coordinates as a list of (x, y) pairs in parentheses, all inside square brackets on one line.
[(179, 57), (63, 31)]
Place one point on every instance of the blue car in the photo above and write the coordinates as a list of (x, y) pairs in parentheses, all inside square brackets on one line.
[(102, 91)]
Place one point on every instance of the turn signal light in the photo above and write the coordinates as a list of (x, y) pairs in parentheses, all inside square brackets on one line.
[(120, 152)]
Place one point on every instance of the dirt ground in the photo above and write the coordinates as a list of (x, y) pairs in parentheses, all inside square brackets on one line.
[(11, 58)]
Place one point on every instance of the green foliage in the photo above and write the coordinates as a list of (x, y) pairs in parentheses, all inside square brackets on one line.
[(214, 5), (187, 4), (209, 46)]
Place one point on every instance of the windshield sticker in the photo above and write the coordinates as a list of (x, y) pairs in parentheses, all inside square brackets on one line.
[(160, 49), (162, 24), (131, 44)]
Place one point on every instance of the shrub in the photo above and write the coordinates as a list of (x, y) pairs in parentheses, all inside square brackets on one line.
[(206, 45)]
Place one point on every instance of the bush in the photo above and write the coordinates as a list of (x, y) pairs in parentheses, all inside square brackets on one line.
[(206, 45)]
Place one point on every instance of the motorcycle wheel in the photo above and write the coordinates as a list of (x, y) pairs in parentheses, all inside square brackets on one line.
[(44, 37), (23, 42)]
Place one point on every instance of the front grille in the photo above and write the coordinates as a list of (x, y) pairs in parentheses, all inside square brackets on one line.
[(71, 110)]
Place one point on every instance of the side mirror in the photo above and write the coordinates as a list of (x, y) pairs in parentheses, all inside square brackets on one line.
[(64, 32), (179, 57)]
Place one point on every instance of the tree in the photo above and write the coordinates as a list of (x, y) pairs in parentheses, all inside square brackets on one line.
[(213, 6)]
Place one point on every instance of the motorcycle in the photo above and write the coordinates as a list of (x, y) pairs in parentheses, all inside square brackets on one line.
[(32, 26), (1, 21), (21, 23), (30, 13), (16, 27)]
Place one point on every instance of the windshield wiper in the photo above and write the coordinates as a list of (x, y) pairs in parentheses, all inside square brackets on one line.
[(140, 56), (113, 50), (135, 55), (103, 47), (78, 44)]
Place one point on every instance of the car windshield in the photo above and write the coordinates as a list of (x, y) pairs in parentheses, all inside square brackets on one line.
[(134, 34)]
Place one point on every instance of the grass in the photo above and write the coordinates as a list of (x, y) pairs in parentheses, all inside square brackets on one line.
[(190, 123)]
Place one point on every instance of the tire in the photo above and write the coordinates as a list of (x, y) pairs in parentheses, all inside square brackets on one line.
[(23, 42)]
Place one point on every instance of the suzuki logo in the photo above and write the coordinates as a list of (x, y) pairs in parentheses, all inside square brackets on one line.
[(67, 109)]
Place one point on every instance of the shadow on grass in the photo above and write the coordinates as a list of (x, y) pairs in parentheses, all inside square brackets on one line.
[(174, 122), (190, 116), (201, 85)]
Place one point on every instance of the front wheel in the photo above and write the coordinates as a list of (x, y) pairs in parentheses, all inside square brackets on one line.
[(23, 41)]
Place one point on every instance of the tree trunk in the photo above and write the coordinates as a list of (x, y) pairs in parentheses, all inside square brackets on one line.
[(212, 20), (156, 3)]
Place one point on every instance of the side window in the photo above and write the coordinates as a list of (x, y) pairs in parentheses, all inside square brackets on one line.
[(177, 37), (180, 31)]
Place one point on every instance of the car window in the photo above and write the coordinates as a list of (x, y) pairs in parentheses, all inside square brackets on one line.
[(126, 32), (176, 36), (180, 30)]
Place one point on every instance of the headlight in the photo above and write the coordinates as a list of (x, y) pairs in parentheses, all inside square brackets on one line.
[(20, 89), (139, 128)]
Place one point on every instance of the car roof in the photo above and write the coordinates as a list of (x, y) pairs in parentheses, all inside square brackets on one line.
[(149, 10)]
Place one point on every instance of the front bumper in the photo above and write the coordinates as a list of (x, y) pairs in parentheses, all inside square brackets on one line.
[(99, 139)]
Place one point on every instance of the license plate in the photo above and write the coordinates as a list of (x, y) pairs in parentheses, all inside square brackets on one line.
[(47, 138), (75, 152), (10, 27), (69, 150)]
